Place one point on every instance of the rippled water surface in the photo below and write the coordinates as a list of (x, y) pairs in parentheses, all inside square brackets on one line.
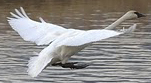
[(122, 59)]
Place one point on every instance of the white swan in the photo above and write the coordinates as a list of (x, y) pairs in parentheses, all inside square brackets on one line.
[(66, 42), (66, 45), (43, 33)]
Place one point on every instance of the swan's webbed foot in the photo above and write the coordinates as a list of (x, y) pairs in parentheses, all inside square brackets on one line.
[(71, 65), (75, 65)]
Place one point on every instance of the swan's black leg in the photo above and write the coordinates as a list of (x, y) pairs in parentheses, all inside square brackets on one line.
[(72, 65)]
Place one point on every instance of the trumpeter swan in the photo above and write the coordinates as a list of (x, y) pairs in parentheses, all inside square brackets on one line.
[(66, 42), (66, 45), (43, 33)]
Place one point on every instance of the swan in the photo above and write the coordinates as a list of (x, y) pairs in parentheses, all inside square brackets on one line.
[(66, 45), (43, 33), (66, 42)]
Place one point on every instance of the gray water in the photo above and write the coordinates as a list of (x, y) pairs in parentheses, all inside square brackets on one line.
[(122, 59)]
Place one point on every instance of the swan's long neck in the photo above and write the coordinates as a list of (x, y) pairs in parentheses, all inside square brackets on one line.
[(116, 23)]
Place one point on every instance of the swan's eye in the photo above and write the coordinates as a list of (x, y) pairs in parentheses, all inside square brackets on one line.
[(139, 14)]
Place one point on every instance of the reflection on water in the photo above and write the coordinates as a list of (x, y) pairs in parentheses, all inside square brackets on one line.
[(126, 58)]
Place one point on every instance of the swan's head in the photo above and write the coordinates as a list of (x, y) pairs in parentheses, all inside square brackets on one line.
[(133, 14)]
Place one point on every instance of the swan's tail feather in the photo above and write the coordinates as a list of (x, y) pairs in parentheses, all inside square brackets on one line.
[(37, 64)]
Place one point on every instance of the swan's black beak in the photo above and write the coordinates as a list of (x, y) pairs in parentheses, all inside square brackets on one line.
[(139, 14)]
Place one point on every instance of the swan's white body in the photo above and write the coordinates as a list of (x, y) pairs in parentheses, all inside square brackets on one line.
[(66, 42)]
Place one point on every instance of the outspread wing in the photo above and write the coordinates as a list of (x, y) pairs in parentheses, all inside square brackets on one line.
[(41, 33), (91, 36)]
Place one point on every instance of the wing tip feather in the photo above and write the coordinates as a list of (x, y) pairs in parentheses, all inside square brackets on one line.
[(131, 29), (23, 12)]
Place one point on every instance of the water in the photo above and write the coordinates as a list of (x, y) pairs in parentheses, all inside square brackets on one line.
[(123, 59)]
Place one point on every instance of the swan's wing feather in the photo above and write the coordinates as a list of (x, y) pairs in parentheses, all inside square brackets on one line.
[(92, 36), (38, 63), (21, 15), (88, 37), (38, 32), (23, 12)]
